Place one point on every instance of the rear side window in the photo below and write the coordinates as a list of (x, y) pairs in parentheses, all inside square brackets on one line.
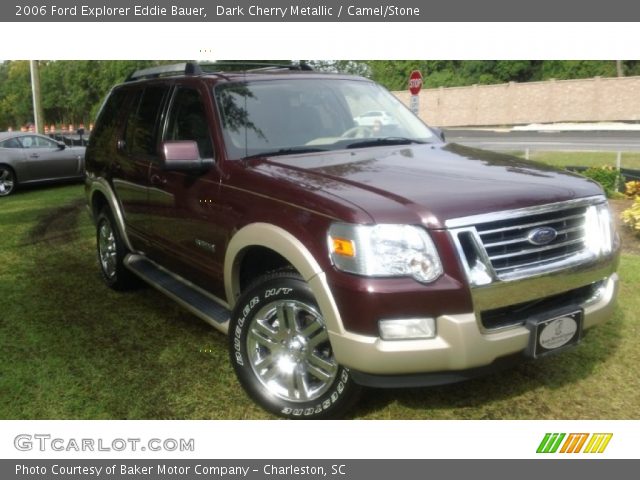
[(10, 143), (108, 117), (140, 135), (188, 121)]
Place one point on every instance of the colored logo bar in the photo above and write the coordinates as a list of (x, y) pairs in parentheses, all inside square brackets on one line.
[(574, 443)]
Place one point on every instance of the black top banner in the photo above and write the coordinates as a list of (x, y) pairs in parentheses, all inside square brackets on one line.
[(319, 11)]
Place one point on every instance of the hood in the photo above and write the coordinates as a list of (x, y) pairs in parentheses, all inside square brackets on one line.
[(429, 184)]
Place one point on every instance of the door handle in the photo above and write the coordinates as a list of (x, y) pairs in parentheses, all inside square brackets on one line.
[(34, 155), (158, 180)]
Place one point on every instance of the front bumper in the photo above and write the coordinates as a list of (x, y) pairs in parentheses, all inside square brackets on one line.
[(461, 343)]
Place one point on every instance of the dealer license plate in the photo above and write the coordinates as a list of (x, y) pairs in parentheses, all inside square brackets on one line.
[(554, 334)]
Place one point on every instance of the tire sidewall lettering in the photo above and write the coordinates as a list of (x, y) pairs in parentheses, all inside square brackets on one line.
[(237, 333), (325, 404), (273, 292), (250, 303)]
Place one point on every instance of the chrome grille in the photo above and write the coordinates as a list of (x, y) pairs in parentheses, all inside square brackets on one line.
[(506, 246), (507, 243)]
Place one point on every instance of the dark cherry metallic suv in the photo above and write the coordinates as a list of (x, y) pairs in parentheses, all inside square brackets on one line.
[(338, 253)]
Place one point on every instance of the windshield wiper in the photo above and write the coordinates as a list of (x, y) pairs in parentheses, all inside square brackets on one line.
[(375, 142), (287, 151)]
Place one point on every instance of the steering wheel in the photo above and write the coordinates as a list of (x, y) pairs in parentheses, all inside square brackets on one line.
[(358, 132)]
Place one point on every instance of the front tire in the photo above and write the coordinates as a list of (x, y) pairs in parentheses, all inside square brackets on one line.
[(280, 350), (8, 180)]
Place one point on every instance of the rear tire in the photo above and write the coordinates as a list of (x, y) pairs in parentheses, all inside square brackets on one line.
[(111, 253), (280, 350)]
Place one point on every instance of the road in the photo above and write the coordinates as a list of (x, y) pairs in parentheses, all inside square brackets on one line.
[(613, 141)]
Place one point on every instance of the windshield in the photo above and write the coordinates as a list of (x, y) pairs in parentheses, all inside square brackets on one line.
[(285, 116)]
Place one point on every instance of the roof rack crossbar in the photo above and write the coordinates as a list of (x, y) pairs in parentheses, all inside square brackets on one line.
[(187, 68)]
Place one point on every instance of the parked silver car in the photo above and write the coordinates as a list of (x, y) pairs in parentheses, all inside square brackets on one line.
[(30, 158)]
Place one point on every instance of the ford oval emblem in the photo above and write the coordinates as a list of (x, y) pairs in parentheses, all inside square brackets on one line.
[(542, 235)]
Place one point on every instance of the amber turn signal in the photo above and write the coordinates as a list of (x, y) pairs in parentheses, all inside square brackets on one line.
[(343, 247)]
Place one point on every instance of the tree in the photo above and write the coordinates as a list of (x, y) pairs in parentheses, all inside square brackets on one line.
[(15, 94), (72, 91), (567, 69), (394, 74), (351, 67)]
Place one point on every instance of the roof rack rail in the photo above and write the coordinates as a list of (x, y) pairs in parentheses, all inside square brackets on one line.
[(256, 66), (293, 66), (187, 68)]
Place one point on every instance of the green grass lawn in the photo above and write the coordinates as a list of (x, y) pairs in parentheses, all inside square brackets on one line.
[(585, 159), (70, 348)]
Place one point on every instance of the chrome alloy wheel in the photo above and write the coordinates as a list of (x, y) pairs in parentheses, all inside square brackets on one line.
[(289, 351), (107, 249), (7, 182)]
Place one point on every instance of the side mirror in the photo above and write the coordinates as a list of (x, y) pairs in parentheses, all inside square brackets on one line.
[(61, 145), (182, 155)]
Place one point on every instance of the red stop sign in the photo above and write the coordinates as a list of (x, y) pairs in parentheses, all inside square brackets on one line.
[(415, 82)]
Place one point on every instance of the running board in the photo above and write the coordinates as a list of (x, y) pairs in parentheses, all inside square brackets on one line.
[(182, 291)]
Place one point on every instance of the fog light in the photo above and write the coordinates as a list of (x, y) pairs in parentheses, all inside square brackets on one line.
[(407, 328), (601, 290)]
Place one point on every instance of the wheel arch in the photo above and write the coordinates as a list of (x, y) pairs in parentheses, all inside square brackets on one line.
[(101, 195), (12, 168), (286, 245)]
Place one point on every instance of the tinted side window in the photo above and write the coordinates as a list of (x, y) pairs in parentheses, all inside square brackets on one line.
[(10, 143), (33, 141), (28, 142), (42, 142), (188, 121), (141, 126), (108, 117)]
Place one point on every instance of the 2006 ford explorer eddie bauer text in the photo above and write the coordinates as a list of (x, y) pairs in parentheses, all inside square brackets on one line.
[(338, 253)]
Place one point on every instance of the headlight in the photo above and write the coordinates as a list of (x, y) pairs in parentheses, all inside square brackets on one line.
[(599, 231), (384, 251)]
